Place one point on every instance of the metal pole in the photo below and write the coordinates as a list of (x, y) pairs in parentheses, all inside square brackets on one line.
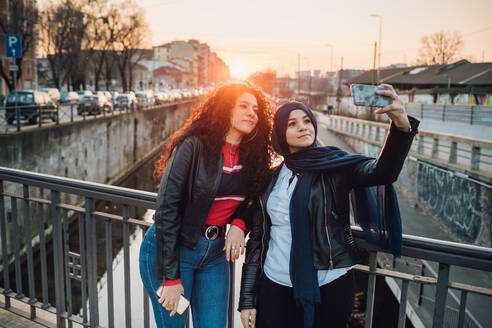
[(30, 263), (441, 293), (379, 53), (371, 289), (126, 265), (58, 259), (298, 73), (5, 256), (380, 30), (91, 254), (15, 102), (375, 76)]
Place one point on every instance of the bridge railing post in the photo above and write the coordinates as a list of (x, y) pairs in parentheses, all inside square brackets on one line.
[(126, 257), (58, 259), (441, 294), (30, 263), (5, 255), (475, 158), (371, 289), (91, 260)]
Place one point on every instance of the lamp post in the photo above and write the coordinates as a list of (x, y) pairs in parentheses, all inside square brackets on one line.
[(331, 56), (379, 41)]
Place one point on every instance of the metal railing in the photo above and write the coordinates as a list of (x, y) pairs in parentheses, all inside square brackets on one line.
[(479, 115), (467, 155), (18, 118), (72, 203), (469, 114)]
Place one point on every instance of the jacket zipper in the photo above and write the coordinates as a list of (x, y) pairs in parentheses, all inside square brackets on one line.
[(326, 223), (262, 235)]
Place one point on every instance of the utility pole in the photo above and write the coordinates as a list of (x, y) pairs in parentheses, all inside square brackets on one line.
[(298, 73), (379, 54), (375, 78), (339, 90)]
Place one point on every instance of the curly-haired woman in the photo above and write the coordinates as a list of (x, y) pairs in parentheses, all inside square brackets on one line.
[(220, 157)]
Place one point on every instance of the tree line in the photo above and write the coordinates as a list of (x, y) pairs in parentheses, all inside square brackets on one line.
[(100, 35)]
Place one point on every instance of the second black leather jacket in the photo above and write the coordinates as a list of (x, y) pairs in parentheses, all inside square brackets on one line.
[(186, 193), (329, 212)]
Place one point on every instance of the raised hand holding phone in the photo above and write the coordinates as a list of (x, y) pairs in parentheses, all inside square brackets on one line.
[(396, 110), (385, 97), (366, 95)]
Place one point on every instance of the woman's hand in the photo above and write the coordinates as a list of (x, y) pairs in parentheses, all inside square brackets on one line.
[(396, 111), (234, 243), (248, 318), (170, 295)]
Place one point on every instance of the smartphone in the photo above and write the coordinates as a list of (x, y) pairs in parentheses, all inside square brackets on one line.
[(365, 95), (183, 302)]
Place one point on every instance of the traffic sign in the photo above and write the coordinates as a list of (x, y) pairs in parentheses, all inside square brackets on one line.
[(13, 45), (13, 67)]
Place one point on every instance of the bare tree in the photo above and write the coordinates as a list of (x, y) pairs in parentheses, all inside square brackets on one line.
[(20, 19), (62, 36), (130, 32), (100, 37), (440, 48)]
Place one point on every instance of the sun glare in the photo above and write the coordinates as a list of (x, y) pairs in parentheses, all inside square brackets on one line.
[(238, 70)]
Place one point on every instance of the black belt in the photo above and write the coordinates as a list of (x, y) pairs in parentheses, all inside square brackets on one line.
[(211, 232)]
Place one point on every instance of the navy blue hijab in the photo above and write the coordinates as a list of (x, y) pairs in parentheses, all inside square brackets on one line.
[(375, 209)]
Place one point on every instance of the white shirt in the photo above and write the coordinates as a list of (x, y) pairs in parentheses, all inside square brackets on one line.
[(278, 255)]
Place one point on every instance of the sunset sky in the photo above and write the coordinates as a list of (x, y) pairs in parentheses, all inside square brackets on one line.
[(270, 34)]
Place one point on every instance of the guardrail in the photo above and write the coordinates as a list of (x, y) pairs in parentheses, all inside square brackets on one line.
[(472, 157), (17, 118), (479, 115), (78, 265), (470, 114)]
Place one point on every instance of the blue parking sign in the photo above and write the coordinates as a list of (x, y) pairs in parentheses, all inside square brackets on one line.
[(13, 45)]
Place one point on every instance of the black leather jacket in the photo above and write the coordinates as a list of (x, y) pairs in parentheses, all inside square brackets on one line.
[(332, 242), (186, 193)]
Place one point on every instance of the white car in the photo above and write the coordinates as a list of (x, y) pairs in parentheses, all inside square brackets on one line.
[(144, 98), (53, 92)]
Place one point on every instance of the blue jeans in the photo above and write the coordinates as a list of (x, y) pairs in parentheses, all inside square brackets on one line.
[(204, 275)]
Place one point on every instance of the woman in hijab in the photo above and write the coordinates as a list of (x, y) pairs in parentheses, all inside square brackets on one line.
[(301, 251)]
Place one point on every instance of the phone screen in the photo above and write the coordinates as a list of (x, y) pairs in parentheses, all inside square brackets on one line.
[(365, 95)]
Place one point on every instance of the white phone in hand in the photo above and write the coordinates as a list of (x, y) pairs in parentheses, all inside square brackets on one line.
[(183, 302)]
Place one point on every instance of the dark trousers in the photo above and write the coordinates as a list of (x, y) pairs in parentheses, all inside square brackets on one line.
[(276, 306)]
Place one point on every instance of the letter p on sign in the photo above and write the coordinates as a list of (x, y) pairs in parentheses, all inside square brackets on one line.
[(13, 45)]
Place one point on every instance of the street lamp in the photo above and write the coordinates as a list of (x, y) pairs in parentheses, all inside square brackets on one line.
[(331, 55), (379, 52)]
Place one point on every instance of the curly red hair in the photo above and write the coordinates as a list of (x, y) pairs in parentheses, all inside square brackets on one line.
[(210, 121)]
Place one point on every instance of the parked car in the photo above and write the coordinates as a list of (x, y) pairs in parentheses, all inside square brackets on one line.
[(177, 95), (144, 98), (69, 97), (124, 101), (54, 93), (161, 98), (32, 105), (169, 94), (108, 96), (84, 93), (94, 105)]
